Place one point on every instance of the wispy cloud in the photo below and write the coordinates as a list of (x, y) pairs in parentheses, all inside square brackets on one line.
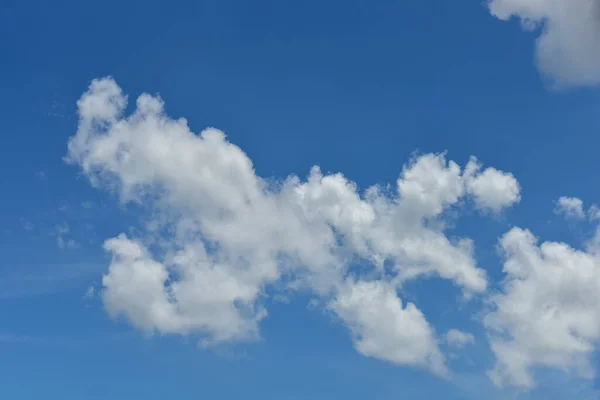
[(62, 240), (26, 281), (26, 224), (65, 341), (57, 110), (11, 338), (90, 293)]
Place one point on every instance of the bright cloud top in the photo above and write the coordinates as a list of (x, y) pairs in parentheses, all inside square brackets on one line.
[(219, 239), (220, 236), (492, 189), (548, 313), (568, 49)]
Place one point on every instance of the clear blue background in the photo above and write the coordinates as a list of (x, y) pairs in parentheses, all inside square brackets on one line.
[(354, 86)]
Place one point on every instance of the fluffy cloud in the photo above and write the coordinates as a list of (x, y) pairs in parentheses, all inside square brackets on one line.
[(220, 236), (383, 329), (571, 207), (548, 312), (568, 48), (491, 189)]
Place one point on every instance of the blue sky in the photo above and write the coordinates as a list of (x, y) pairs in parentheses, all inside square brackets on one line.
[(232, 279)]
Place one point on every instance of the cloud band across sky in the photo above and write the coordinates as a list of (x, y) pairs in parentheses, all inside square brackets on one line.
[(219, 237)]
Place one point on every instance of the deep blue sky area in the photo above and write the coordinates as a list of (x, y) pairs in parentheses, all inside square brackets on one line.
[(355, 87)]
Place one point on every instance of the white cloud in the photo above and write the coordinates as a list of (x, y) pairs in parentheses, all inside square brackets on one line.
[(568, 48), (548, 312), (570, 207), (459, 339), (210, 296), (491, 189), (383, 329), (221, 235)]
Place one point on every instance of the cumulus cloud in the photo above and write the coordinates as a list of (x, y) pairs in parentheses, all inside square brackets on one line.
[(492, 189), (568, 48), (459, 339), (220, 235), (548, 311), (384, 329), (570, 207)]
